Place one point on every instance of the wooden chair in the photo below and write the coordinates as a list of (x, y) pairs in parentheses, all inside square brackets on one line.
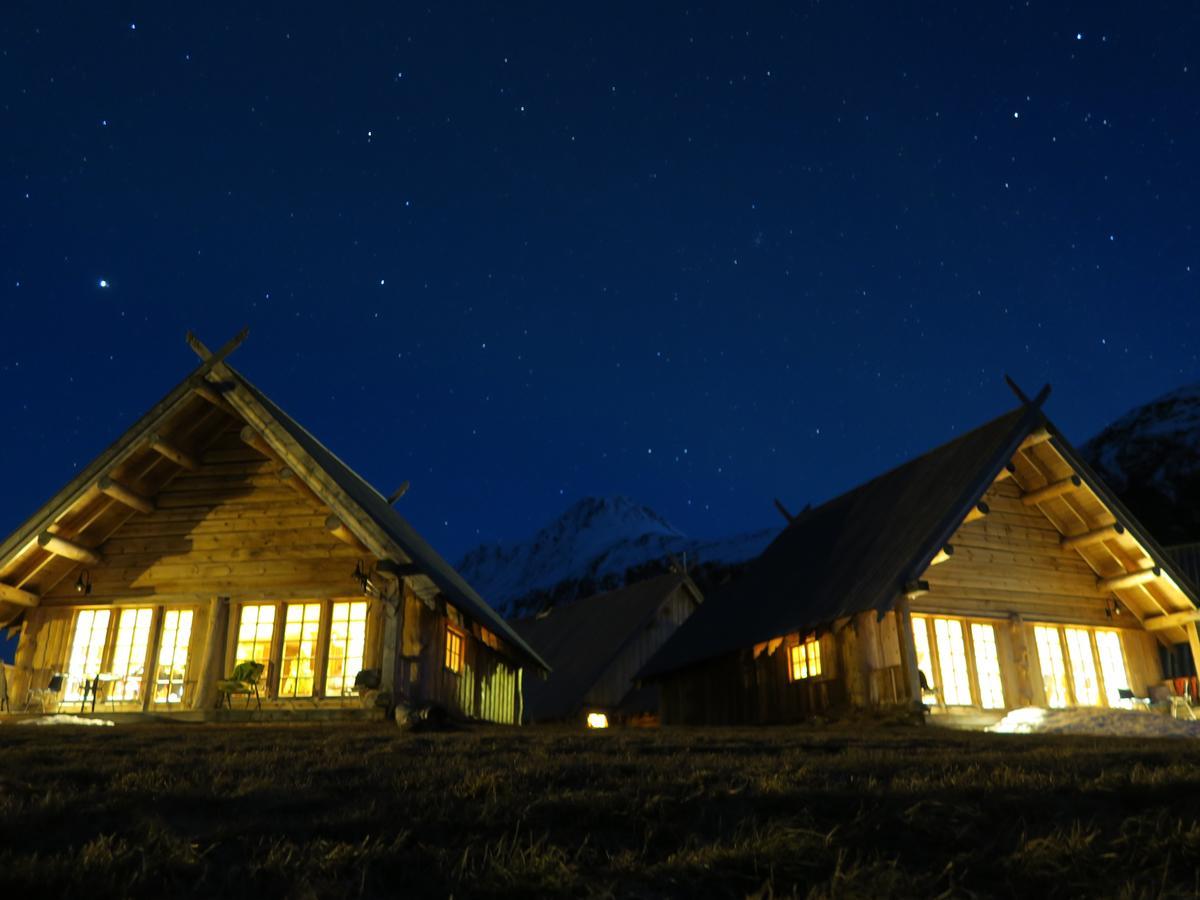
[(51, 691), (243, 680)]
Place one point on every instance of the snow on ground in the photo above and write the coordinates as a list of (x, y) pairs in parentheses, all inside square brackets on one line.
[(1109, 722), (65, 720)]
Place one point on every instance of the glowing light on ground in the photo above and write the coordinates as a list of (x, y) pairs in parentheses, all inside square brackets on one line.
[(597, 720)]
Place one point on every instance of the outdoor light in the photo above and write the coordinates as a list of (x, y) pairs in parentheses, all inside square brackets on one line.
[(83, 584), (597, 720)]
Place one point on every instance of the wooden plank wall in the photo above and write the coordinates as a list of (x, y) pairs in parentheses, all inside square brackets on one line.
[(1011, 562), (230, 528), (488, 688)]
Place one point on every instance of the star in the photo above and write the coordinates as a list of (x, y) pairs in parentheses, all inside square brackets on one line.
[(103, 282)]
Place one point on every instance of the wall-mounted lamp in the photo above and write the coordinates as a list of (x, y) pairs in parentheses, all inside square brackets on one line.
[(83, 584), (363, 577)]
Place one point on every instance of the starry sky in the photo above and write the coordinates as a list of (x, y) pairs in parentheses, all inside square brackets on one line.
[(700, 256)]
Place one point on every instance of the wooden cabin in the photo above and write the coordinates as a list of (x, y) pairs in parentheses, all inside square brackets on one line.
[(994, 572), (216, 531), (595, 647)]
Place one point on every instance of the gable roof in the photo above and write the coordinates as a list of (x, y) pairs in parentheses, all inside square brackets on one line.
[(364, 510), (858, 551), (580, 640)]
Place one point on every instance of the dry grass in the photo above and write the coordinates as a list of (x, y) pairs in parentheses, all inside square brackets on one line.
[(350, 811)]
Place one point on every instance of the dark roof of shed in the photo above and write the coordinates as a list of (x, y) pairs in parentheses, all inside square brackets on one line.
[(853, 553), (375, 505), (581, 639)]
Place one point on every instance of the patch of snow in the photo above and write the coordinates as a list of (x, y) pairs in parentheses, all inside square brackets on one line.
[(60, 719), (1100, 722)]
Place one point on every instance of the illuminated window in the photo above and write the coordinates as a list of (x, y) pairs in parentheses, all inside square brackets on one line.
[(298, 670), (87, 650), (172, 656), (454, 650), (1112, 665), (804, 660), (347, 640), (255, 631), (987, 666), (952, 653), (924, 656), (129, 653), (1054, 670), (1083, 666)]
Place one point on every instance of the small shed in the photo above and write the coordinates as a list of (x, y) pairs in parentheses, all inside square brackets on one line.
[(595, 646), (993, 572)]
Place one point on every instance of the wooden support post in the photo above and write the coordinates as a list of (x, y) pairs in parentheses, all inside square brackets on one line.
[(1171, 620), (60, 546), (126, 495), (150, 668), (337, 528), (167, 450), (296, 483), (1020, 656), (10, 594), (1052, 490), (391, 657), (1194, 644), (908, 654), (212, 663), (1088, 538), (978, 511), (1128, 580), (255, 440), (23, 660)]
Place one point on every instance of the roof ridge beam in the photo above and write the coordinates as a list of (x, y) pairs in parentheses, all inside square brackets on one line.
[(1052, 490), (1095, 536), (10, 594), (60, 546), (1129, 579), (1171, 620), (124, 494), (172, 452)]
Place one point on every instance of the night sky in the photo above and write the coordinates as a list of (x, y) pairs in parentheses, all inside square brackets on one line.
[(702, 257)]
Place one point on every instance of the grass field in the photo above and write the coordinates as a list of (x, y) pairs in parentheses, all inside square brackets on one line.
[(350, 811)]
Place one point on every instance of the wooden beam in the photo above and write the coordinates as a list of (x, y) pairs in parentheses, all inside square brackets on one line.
[(211, 394), (1040, 436), (1052, 490), (167, 450), (296, 483), (942, 555), (126, 495), (60, 546), (1088, 538), (1007, 472), (1194, 644), (916, 588), (1171, 620), (1128, 580), (209, 358), (978, 511), (255, 440), (338, 529), (10, 594)]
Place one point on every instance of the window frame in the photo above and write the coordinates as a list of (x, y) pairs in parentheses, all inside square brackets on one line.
[(975, 689), (1097, 660), (455, 635), (801, 646)]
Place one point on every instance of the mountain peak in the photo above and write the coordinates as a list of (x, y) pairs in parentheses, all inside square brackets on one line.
[(595, 538)]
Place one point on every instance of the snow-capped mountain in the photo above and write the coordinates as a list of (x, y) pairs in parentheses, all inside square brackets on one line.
[(1151, 458), (593, 544)]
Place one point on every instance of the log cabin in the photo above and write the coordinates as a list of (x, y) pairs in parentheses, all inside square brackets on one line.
[(218, 531), (994, 572), (595, 647)]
